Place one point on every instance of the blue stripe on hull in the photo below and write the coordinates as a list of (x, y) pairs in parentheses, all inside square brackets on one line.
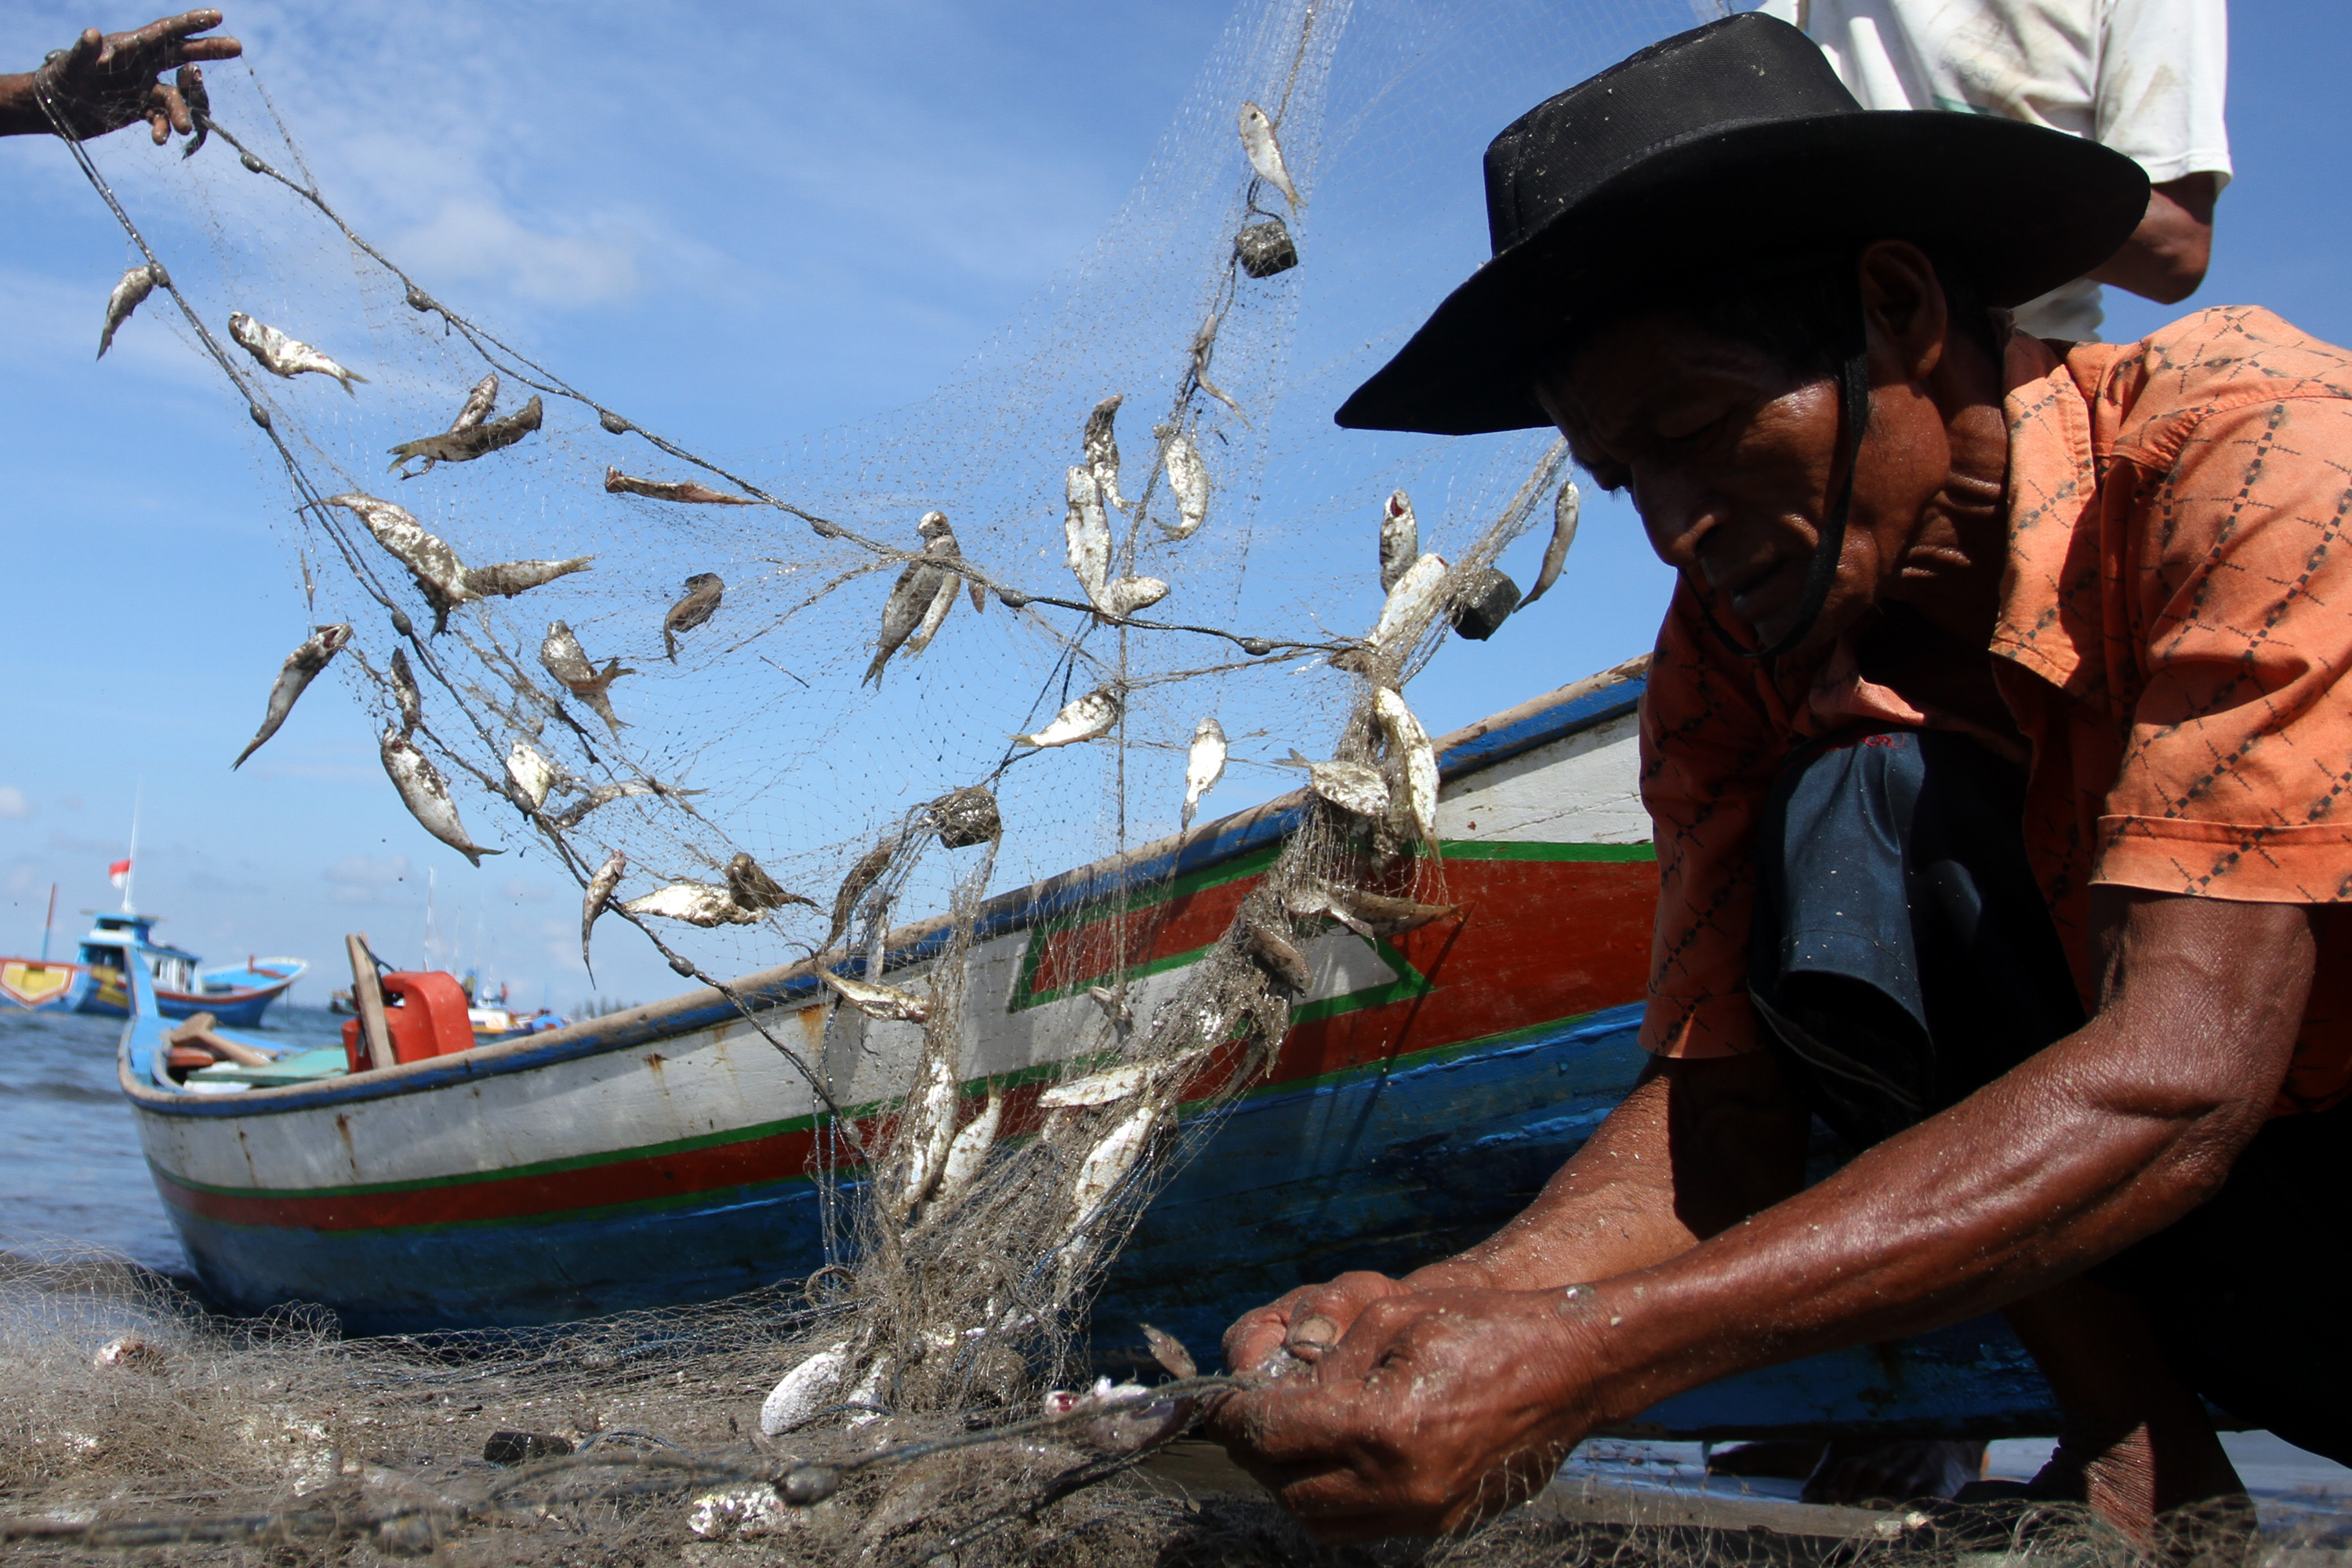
[(460, 1277)]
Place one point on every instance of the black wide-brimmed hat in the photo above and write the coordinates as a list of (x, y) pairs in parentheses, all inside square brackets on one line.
[(1711, 154)]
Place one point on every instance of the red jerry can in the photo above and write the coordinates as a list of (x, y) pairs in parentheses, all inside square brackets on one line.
[(426, 1012)]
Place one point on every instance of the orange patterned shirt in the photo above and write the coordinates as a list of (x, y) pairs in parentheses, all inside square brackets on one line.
[(2174, 621)]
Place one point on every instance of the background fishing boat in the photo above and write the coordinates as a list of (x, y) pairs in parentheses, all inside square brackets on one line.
[(233, 992), (1428, 1085), (38, 982)]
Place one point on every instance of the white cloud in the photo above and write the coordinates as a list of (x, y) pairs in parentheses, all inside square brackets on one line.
[(470, 240), (363, 879), (14, 806)]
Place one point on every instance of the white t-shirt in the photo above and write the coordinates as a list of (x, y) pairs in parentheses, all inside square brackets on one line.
[(2145, 77)]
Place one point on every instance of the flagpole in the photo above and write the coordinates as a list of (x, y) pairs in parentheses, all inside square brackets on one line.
[(130, 870)]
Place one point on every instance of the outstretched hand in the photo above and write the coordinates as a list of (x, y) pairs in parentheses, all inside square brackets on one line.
[(108, 80), (1434, 1410)]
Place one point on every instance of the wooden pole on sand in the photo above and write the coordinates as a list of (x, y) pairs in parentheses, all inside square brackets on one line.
[(367, 995)]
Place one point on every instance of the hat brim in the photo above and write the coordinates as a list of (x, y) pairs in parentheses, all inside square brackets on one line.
[(2022, 208)]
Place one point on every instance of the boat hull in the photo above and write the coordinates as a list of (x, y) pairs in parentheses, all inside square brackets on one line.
[(1428, 1087), (102, 992), (37, 984)]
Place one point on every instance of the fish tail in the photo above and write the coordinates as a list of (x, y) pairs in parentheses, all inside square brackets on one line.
[(874, 670)]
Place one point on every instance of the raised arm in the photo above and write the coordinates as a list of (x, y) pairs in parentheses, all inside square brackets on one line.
[(108, 80)]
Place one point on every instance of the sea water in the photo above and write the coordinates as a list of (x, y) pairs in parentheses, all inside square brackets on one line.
[(70, 1169)]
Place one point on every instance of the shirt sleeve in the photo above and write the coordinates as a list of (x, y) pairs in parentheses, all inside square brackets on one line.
[(1709, 748), (2236, 779), (2163, 79)]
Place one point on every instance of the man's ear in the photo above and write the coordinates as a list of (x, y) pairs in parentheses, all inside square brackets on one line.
[(1903, 304)]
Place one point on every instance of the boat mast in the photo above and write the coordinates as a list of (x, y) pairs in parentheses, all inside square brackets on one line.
[(47, 922), (130, 864)]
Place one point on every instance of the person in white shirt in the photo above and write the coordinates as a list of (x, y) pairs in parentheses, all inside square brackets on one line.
[(2146, 77)]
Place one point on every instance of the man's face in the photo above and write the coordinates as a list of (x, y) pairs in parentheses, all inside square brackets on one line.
[(1729, 459)]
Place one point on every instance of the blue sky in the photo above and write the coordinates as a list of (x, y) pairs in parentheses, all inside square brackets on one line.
[(762, 221)]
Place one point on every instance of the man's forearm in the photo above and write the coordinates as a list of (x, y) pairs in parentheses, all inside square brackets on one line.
[(1697, 1146), (2165, 257), (2102, 1138)]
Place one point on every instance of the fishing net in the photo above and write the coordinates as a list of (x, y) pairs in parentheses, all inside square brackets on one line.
[(770, 708)]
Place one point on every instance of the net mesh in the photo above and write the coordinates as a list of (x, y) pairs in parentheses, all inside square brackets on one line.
[(770, 731)]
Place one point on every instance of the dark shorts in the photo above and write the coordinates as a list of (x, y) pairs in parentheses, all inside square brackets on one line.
[(1903, 957)]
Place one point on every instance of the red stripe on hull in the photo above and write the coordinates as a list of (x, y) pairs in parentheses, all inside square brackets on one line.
[(1538, 941)]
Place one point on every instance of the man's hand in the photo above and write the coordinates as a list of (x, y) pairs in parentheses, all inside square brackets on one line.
[(108, 80), (1436, 1409), (1306, 1321)]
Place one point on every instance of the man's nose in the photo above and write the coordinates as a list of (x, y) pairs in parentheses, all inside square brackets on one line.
[(1678, 517)]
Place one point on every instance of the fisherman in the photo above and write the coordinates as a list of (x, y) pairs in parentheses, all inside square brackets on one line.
[(1999, 778), (2147, 78), (108, 80)]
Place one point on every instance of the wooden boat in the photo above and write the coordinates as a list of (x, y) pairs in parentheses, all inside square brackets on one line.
[(234, 993), (1427, 1088), (38, 983)]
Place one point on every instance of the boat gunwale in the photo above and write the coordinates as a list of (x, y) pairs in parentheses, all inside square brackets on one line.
[(1552, 716)]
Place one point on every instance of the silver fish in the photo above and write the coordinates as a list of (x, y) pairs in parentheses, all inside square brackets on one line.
[(1170, 1352), (479, 401), (1416, 758), (508, 578), (600, 892), (532, 774), (1350, 787), (562, 656), (426, 794), (301, 667), (754, 889), (1265, 152), (572, 815), (1277, 955), (931, 1107), (128, 296), (1368, 915), (1410, 605), (1082, 720), (1400, 539), (281, 355), (620, 484), (440, 575), (862, 876), (1107, 1164), (883, 1002), (970, 1149), (1205, 764), (1122, 596), (703, 592), (1563, 534), (1204, 343), (1106, 1088), (466, 443), (1188, 481), (695, 903), (1085, 532), (1102, 448), (912, 594), (942, 601), (405, 693), (808, 1388), (190, 79)]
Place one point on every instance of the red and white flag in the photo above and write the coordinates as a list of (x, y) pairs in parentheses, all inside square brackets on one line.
[(119, 872)]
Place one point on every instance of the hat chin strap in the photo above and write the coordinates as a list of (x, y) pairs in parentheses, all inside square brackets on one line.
[(1854, 410)]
